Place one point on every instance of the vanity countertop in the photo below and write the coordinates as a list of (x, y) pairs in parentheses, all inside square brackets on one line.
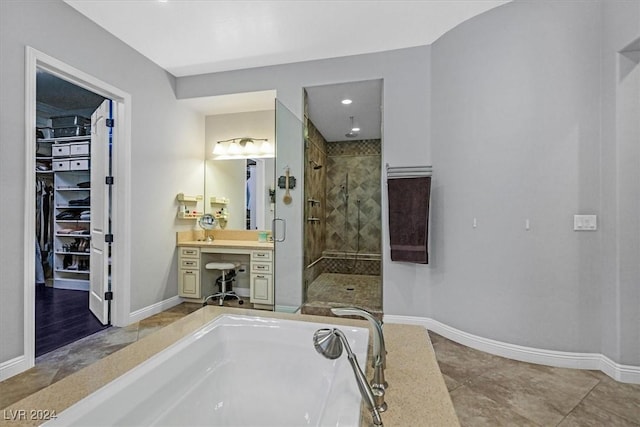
[(416, 395), (228, 244), (223, 239)]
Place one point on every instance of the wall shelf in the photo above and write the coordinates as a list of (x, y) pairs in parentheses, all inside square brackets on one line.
[(188, 199), (215, 200)]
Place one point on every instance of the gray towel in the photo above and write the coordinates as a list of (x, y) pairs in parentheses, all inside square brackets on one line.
[(409, 219)]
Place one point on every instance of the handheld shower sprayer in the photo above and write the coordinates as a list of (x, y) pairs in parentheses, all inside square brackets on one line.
[(329, 343)]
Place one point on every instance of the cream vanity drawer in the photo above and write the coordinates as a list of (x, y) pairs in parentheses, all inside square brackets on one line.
[(60, 151), (79, 149), (189, 263), (190, 252), (79, 164), (261, 267), (61, 165), (261, 255)]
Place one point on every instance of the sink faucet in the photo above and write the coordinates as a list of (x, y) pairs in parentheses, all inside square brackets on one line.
[(329, 343), (379, 351)]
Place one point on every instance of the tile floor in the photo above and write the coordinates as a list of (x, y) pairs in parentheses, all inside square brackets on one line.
[(486, 390), (336, 289)]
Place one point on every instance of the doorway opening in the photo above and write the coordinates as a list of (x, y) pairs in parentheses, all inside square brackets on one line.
[(342, 169), (65, 203)]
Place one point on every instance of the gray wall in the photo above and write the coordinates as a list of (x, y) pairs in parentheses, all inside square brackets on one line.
[(516, 135), (166, 150), (620, 186)]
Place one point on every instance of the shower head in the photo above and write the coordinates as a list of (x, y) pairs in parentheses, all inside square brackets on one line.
[(354, 130), (327, 342)]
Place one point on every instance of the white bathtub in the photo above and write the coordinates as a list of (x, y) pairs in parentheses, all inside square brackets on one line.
[(234, 371)]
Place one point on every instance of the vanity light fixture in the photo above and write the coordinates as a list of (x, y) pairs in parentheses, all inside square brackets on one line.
[(242, 148)]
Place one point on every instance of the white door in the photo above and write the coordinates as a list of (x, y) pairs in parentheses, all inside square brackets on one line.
[(100, 160)]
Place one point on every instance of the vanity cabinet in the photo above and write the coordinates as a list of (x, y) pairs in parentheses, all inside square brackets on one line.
[(189, 272), (194, 255), (262, 279)]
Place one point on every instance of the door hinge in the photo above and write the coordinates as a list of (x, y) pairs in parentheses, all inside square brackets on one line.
[(108, 180), (110, 123), (108, 296), (108, 238)]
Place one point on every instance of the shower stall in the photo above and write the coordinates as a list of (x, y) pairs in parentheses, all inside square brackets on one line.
[(342, 242)]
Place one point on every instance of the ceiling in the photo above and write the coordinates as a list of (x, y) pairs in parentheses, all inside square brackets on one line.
[(332, 118), (188, 37)]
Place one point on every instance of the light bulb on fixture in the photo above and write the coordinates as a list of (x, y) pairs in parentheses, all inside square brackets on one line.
[(249, 146), (218, 149), (234, 148), (266, 147)]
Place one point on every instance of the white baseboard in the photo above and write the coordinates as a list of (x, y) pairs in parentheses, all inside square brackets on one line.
[(13, 367), (152, 309), (560, 359)]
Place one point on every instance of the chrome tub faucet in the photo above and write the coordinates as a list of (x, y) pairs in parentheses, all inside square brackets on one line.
[(379, 362)]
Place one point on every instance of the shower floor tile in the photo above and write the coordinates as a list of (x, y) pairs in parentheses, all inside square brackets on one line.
[(335, 289)]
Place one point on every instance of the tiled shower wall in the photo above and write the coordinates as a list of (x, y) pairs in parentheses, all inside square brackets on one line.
[(315, 198), (360, 160)]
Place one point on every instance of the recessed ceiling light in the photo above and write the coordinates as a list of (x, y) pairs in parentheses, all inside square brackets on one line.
[(346, 101)]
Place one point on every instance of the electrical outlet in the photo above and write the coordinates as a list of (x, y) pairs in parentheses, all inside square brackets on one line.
[(585, 222)]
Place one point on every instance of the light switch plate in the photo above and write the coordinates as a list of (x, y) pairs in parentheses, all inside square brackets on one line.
[(585, 222)]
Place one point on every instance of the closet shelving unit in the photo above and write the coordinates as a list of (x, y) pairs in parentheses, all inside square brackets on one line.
[(70, 161)]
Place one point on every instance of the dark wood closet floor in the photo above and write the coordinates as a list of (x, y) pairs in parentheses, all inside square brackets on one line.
[(62, 317)]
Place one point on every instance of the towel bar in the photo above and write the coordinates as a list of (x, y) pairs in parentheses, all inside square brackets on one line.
[(408, 171)]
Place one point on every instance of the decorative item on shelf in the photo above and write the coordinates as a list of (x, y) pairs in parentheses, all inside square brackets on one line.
[(243, 148), (222, 217), (186, 208)]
